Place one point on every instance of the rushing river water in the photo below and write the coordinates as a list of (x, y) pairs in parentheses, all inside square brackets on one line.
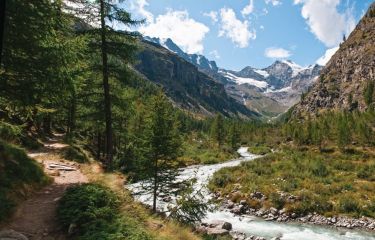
[(249, 225)]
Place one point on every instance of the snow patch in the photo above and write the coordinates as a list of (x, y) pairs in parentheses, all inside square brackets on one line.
[(240, 80), (262, 72)]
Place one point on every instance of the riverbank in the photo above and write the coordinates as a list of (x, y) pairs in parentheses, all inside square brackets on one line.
[(303, 182), (272, 214), (246, 226)]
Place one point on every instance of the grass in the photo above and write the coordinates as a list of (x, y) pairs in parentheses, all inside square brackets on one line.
[(135, 215), (201, 151), (19, 176), (331, 183)]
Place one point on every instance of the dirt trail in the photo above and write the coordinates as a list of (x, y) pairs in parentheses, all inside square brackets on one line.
[(36, 217)]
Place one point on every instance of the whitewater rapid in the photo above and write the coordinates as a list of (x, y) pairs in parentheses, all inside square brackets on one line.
[(250, 225)]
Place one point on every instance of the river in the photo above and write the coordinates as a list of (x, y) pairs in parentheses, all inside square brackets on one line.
[(250, 225)]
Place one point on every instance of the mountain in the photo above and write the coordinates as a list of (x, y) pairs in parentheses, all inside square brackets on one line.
[(347, 81), (272, 90), (188, 87), (269, 91)]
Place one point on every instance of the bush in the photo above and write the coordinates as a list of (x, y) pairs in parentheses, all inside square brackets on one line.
[(94, 211), (222, 179), (348, 204), (75, 153), (277, 200), (9, 132), (319, 169), (367, 172)]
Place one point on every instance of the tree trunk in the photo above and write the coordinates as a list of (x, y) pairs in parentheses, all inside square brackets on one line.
[(155, 190), (2, 26), (99, 139), (107, 100), (72, 116)]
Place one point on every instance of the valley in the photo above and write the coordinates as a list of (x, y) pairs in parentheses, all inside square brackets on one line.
[(116, 124)]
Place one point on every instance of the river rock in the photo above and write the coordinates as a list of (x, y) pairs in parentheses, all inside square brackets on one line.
[(217, 232), (220, 225), (12, 235)]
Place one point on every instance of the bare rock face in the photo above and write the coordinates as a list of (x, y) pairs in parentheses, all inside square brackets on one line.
[(344, 81)]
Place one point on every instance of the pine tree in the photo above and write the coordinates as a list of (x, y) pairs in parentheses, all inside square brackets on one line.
[(217, 130), (369, 93), (234, 136), (343, 131), (162, 145), (2, 23), (111, 43)]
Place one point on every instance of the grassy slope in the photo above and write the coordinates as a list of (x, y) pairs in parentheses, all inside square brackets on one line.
[(19, 175), (328, 183), (199, 150)]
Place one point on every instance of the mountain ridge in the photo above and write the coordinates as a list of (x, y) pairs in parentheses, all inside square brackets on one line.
[(269, 91), (347, 81)]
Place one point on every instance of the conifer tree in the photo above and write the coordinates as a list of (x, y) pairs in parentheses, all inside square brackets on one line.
[(162, 145), (369, 93), (217, 130), (111, 42)]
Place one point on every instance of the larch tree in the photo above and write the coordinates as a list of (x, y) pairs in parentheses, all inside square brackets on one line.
[(102, 15), (162, 143)]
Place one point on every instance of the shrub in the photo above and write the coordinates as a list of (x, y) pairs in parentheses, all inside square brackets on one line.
[(222, 179), (348, 204), (366, 172), (9, 132), (319, 169), (94, 211), (277, 200), (75, 153)]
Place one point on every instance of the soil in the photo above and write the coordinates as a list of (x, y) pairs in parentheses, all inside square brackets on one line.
[(35, 218)]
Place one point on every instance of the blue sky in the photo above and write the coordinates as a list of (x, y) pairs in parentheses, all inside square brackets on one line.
[(239, 33)]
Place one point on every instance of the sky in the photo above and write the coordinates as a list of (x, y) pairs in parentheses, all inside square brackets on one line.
[(239, 33)]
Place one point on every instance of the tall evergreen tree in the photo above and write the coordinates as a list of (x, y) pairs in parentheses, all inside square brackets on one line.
[(162, 143), (104, 13), (217, 130)]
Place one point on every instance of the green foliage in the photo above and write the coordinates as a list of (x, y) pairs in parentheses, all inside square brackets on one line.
[(18, 172), (217, 130), (93, 210), (75, 153), (9, 132), (348, 204), (369, 93), (319, 180), (189, 207)]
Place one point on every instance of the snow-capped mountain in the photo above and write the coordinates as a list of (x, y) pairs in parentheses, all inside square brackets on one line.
[(268, 91), (198, 60), (283, 81)]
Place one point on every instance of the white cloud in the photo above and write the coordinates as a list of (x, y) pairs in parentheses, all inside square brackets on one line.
[(261, 27), (273, 52), (325, 22), (183, 30), (235, 29), (274, 2), (323, 60), (248, 9), (212, 15), (215, 54), (137, 8)]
